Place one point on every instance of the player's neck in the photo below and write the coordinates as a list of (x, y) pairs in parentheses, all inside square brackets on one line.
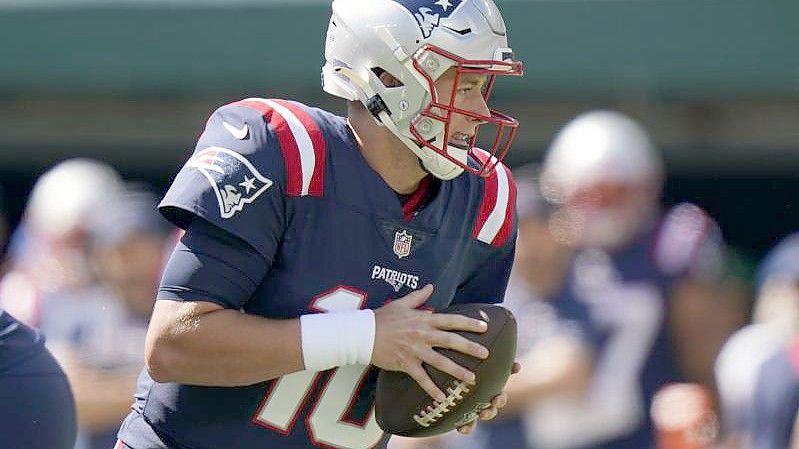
[(392, 160)]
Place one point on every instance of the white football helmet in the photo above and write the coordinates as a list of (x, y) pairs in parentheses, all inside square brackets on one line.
[(416, 41), (606, 176)]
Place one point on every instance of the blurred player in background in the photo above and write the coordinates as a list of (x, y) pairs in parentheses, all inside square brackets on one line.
[(772, 420), (775, 320), (99, 335), (38, 409), (641, 286), (85, 266), (291, 211), (48, 252)]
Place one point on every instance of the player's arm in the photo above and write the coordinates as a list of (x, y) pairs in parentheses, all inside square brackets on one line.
[(202, 343), (199, 336), (197, 333), (705, 307)]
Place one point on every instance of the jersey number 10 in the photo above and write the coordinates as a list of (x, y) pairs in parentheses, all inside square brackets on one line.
[(327, 422)]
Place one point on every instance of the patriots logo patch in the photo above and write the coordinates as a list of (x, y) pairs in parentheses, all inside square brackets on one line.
[(429, 13), (234, 179)]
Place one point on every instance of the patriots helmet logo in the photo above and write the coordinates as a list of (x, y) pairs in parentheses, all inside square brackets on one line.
[(236, 182), (429, 13)]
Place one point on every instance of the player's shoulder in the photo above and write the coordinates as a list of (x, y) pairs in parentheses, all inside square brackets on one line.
[(288, 139), (494, 199), (684, 235)]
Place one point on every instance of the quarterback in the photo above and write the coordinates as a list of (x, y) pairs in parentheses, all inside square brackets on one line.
[(316, 246)]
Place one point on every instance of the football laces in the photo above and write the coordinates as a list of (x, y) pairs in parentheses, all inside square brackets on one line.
[(432, 413)]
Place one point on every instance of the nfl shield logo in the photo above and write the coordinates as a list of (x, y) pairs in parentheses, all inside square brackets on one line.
[(402, 243)]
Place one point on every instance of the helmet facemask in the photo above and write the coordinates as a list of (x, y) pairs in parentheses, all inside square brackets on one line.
[(431, 128)]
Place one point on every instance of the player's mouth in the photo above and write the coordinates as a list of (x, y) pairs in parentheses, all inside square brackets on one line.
[(460, 140)]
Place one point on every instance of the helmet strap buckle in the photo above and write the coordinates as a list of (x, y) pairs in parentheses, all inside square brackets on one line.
[(376, 105)]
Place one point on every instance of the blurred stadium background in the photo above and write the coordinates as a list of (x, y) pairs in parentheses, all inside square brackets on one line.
[(132, 82)]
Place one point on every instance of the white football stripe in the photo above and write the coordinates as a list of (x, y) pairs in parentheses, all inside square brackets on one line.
[(304, 143), (497, 216)]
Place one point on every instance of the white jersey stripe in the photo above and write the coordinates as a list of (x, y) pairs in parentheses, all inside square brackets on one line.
[(496, 218), (304, 143)]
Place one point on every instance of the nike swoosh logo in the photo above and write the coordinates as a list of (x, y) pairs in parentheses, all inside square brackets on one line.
[(238, 133)]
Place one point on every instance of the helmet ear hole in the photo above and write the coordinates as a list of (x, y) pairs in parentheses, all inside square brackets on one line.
[(386, 78)]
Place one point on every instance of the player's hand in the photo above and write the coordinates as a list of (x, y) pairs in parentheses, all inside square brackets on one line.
[(405, 338), (497, 403)]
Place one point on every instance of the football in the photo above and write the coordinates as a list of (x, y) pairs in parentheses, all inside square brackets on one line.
[(403, 408)]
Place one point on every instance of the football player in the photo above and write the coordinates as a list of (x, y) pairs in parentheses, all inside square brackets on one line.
[(317, 245), (775, 320), (641, 284), (40, 410)]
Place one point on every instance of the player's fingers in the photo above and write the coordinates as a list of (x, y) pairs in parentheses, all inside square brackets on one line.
[(423, 379), (451, 340), (467, 428), (443, 363), (455, 322), (499, 400), (416, 298), (488, 413)]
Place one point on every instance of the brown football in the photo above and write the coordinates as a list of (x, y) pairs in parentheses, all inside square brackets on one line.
[(402, 407)]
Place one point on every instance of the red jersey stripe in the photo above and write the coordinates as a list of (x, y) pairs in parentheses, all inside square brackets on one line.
[(288, 144), (316, 186)]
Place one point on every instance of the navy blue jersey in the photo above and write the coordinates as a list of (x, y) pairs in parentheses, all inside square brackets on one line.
[(39, 411), (17, 342), (291, 182), (775, 401), (620, 301)]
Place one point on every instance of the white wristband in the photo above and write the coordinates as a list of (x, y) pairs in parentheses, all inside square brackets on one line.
[(337, 339)]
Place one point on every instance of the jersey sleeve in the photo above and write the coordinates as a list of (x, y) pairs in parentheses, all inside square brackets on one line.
[(210, 264), (234, 180)]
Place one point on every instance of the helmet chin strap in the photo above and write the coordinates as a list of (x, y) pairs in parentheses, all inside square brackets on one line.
[(434, 163)]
